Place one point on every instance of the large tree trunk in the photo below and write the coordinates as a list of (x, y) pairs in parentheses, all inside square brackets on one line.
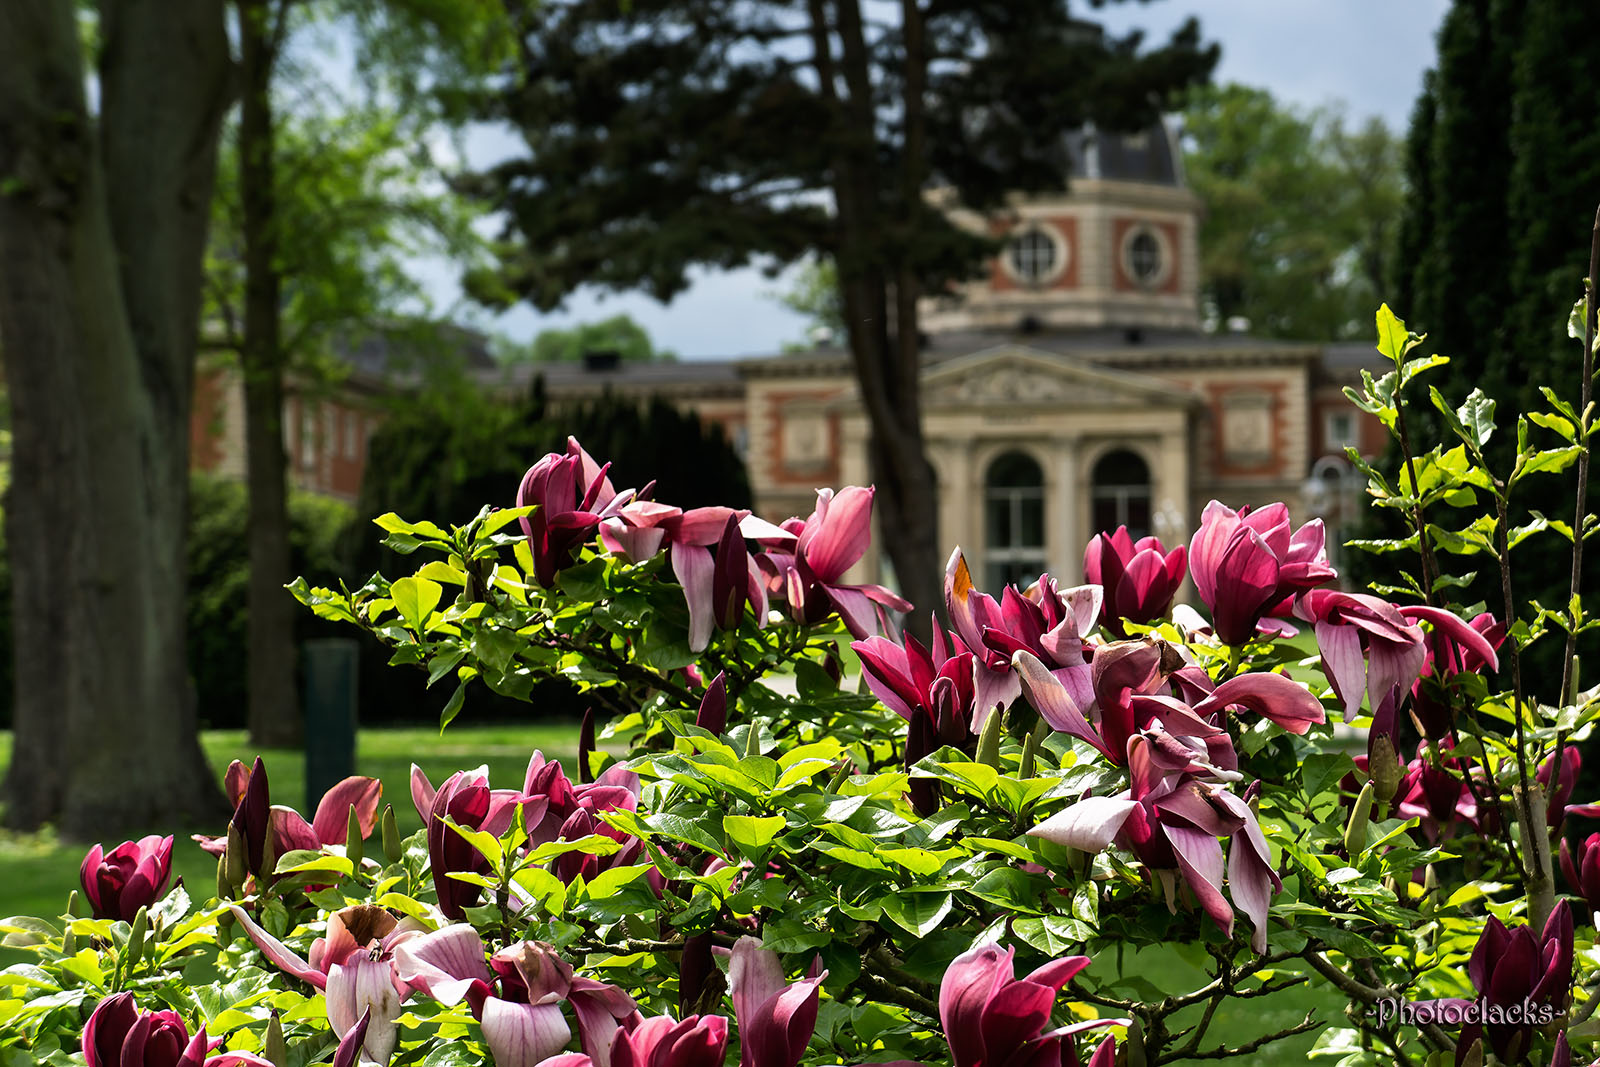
[(274, 710), (100, 254), (888, 367)]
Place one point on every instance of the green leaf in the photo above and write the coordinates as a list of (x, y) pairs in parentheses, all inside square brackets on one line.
[(1394, 340), (1477, 415), (1556, 423), (415, 598), (752, 834), (452, 707), (918, 913), (1549, 461)]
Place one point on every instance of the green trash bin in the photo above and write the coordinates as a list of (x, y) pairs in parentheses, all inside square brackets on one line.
[(330, 705)]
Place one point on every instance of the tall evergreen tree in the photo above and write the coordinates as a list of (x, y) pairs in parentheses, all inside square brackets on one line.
[(1458, 243), (666, 134)]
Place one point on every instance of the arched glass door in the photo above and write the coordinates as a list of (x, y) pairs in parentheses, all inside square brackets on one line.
[(1120, 493), (1013, 521)]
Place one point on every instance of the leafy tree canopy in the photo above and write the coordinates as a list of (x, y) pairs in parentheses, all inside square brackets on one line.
[(1299, 212), (619, 334)]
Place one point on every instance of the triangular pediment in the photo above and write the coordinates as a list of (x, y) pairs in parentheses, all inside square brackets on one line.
[(1018, 376)]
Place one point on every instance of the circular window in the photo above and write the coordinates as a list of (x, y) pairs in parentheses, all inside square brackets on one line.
[(1035, 256), (1144, 257)]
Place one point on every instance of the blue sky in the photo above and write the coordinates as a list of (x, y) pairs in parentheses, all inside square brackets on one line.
[(1368, 54)]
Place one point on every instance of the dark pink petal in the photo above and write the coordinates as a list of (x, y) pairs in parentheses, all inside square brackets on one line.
[(232, 1059), (854, 608), (1391, 666), (969, 983), (291, 832), (108, 1025), (1275, 696), (960, 600), (1464, 635), (1014, 1015), (1272, 524), (332, 820), (1059, 706), (1246, 578), (887, 670), (88, 876), (1217, 525), (1200, 858), (838, 532), (780, 1029), (281, 956), (1057, 973), (713, 713), (348, 1054), (702, 526)]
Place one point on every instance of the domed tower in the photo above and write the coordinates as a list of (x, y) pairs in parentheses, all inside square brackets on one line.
[(1117, 249)]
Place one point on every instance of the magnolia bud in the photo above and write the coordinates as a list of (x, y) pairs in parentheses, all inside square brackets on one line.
[(224, 890), (989, 740), (141, 925), (352, 839), (69, 943), (238, 862), (1355, 831), (1135, 1044), (269, 859), (838, 777), (272, 1044), (1430, 889), (391, 836), (1385, 767), (74, 905), (1474, 1056)]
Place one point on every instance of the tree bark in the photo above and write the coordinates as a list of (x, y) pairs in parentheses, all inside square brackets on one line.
[(101, 239), (274, 709), (888, 367)]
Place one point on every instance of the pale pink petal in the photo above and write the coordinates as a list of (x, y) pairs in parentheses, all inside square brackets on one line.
[(694, 569), (443, 964), (1341, 656), (422, 792), (755, 975), (523, 1035), (1060, 707), (1275, 696), (1089, 825)]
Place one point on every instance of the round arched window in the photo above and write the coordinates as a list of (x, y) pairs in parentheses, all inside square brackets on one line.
[(1034, 256), (1120, 493), (1013, 521)]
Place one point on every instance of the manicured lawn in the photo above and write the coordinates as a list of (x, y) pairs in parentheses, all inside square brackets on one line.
[(40, 871)]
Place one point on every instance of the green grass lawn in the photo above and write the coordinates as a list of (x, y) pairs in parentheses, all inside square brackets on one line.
[(39, 871)]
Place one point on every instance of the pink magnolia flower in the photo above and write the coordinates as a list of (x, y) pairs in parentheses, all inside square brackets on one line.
[(573, 495), (1556, 806), (697, 1041), (1370, 646), (776, 1019), (827, 543), (260, 822), (1513, 968), (1140, 579), (354, 965), (131, 876), (1173, 817), (1046, 621), (466, 798), (118, 1034), (1244, 563), (1129, 686), (516, 996), (1583, 870), (992, 1018)]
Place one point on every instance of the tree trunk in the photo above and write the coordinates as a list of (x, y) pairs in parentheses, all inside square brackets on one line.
[(888, 368), (274, 710), (100, 254)]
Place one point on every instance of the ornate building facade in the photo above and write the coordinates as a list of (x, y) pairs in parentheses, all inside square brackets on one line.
[(1070, 389)]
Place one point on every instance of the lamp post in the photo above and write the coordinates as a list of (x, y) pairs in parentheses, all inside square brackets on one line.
[(1331, 493)]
